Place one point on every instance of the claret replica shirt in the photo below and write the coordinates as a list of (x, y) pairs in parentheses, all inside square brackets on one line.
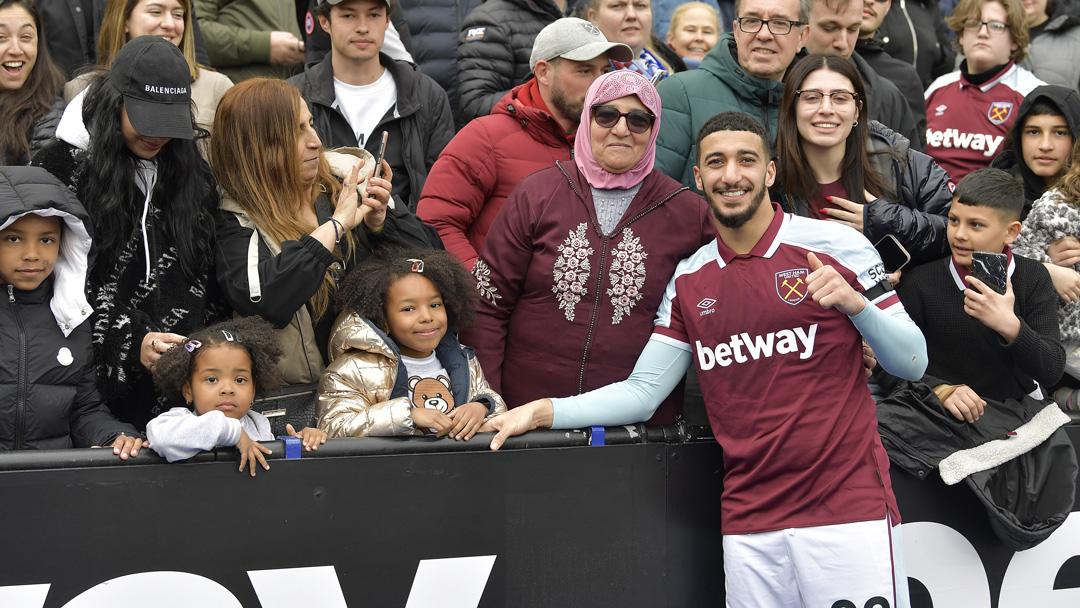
[(783, 378)]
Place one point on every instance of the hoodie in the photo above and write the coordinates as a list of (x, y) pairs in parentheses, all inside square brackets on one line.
[(48, 397), (1012, 158)]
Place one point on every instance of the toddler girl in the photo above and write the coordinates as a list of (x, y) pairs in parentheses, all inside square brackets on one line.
[(396, 367), (220, 371)]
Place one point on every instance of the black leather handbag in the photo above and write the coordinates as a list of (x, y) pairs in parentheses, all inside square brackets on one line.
[(293, 405)]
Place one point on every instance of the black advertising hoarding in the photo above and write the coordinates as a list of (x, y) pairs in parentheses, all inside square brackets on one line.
[(547, 521)]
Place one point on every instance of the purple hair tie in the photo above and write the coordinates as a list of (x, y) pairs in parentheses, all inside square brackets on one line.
[(191, 345)]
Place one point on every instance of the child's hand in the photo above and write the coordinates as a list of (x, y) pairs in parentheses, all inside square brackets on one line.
[(123, 446), (467, 420), (991, 308), (965, 404), (250, 451), (311, 437), (1064, 251), (428, 418)]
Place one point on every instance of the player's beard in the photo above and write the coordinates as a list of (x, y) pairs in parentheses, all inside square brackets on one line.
[(738, 219), (569, 108)]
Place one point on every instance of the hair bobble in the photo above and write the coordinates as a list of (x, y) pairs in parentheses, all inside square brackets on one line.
[(191, 345), (417, 265)]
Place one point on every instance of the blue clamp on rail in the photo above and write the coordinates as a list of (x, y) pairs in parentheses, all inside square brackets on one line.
[(596, 435), (293, 447)]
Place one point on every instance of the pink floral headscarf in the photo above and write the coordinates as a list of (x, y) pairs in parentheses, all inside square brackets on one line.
[(608, 87)]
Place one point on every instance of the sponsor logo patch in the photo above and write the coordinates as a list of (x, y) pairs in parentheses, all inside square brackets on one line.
[(791, 285), (475, 33), (309, 23), (999, 112)]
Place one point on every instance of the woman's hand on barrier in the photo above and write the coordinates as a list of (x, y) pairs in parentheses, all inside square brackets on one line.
[(965, 404), (378, 198), (1066, 282), (850, 212), (154, 344), (125, 445), (310, 437), (468, 418), (250, 452), (531, 416), (1064, 251), (431, 419)]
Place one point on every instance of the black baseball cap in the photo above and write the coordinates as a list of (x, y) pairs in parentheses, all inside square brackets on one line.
[(155, 80)]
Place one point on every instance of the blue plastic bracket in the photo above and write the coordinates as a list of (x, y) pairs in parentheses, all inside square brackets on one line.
[(596, 437), (293, 447)]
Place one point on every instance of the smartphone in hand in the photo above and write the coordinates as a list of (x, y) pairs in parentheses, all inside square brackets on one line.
[(893, 255), (990, 268), (379, 158)]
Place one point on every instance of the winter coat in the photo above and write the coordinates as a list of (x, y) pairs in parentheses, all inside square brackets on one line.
[(41, 132), (565, 308), (1052, 217), (137, 296), (365, 390), (1011, 159), (435, 26), (1052, 55), (692, 97), (888, 106), (420, 124), (48, 393), (481, 166), (901, 74), (914, 32), (73, 47), (493, 51), (237, 35), (180, 433), (920, 217), (251, 264)]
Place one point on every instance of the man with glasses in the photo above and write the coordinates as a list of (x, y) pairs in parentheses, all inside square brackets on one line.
[(742, 73), (834, 28)]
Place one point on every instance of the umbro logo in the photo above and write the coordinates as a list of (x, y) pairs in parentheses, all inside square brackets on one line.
[(941, 109), (706, 303)]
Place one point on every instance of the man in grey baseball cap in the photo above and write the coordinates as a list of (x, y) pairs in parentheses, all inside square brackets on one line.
[(529, 129)]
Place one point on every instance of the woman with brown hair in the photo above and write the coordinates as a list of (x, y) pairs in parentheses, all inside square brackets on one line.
[(288, 230), (834, 164), (29, 84), (169, 19)]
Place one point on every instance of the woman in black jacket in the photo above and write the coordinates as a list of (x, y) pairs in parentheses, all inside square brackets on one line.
[(833, 165), (30, 89), (289, 230)]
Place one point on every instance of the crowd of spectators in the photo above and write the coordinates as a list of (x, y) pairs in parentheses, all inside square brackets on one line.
[(207, 202)]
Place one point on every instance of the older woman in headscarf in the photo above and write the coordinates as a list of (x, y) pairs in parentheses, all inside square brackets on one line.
[(576, 264)]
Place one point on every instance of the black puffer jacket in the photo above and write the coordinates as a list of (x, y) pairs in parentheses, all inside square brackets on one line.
[(888, 106), (920, 216), (48, 396), (1011, 158), (903, 75), (419, 125), (494, 49), (435, 26), (915, 32)]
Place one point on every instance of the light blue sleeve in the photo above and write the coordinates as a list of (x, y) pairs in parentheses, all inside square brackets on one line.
[(898, 343), (657, 372)]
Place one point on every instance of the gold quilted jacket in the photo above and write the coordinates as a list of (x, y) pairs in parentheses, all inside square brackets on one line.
[(356, 393)]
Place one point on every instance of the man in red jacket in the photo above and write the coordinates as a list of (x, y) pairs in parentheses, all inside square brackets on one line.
[(530, 128)]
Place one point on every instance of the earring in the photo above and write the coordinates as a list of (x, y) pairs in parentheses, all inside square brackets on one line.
[(854, 124)]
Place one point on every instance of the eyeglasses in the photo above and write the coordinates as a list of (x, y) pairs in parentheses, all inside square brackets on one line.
[(779, 27), (837, 98), (638, 121), (994, 27)]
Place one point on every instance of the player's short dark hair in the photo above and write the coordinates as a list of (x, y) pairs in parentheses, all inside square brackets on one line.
[(252, 334), (367, 286), (322, 9), (733, 121), (999, 190)]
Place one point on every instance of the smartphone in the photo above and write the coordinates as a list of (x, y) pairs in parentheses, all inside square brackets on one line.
[(893, 254), (379, 158), (990, 268)]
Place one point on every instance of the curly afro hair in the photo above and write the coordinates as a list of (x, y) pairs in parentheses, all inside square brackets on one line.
[(366, 288), (253, 334)]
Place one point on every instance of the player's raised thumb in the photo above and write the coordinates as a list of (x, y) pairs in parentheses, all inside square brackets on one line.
[(813, 261)]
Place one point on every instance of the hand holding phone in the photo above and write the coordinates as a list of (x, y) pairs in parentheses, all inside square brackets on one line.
[(990, 268), (379, 158), (893, 255)]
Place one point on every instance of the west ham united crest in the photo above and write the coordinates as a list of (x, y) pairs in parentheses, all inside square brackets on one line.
[(999, 112), (791, 285)]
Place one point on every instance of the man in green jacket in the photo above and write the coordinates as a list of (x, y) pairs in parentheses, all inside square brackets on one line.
[(742, 73), (248, 38)]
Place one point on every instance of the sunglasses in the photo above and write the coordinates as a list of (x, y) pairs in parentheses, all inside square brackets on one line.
[(638, 121)]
